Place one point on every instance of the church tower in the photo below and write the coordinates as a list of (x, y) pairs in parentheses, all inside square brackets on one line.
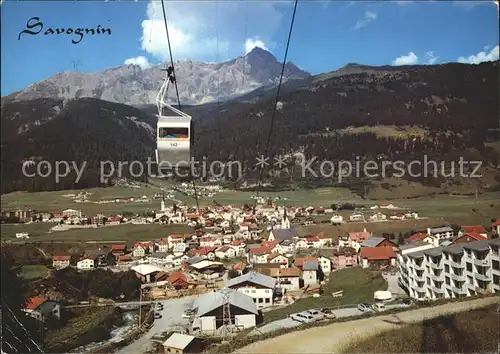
[(285, 223)]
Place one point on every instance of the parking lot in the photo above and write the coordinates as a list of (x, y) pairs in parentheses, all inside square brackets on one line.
[(171, 317), (289, 323)]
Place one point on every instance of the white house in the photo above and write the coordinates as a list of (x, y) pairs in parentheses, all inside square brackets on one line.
[(86, 264), (310, 272), (357, 217), (283, 234), (278, 258), (225, 252), (258, 254), (325, 264), (258, 286), (302, 243), (336, 219), (41, 308), (208, 309), (378, 217), (72, 213), (287, 278)]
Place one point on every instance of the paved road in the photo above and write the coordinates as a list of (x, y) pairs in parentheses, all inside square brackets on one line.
[(335, 337), (393, 284), (171, 317), (289, 323)]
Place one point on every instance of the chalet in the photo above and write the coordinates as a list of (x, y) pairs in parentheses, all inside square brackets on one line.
[(470, 236), (225, 252), (302, 243), (180, 280), (142, 248), (354, 239), (420, 236), (259, 287), (325, 263), (163, 245), (208, 252), (287, 278), (276, 257), (71, 213), (274, 246), (313, 241), (345, 257), (61, 261), (324, 239), (161, 258), (378, 217), (377, 256), (310, 272), (336, 219), (209, 269), (378, 242), (147, 272), (42, 308), (118, 249), (478, 229), (86, 263), (258, 254), (356, 216), (441, 233), (124, 258)]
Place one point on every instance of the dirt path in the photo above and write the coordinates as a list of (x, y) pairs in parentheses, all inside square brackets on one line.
[(333, 338)]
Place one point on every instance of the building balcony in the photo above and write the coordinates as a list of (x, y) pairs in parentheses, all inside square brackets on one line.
[(419, 277), (456, 264), (418, 267), (483, 291), (459, 277), (459, 291), (436, 265), (483, 277), (439, 277), (481, 262), (438, 290)]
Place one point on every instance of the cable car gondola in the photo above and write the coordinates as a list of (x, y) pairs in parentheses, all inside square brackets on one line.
[(174, 132)]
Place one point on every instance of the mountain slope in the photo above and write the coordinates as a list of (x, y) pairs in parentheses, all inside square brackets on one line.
[(445, 112), (198, 82), (82, 130)]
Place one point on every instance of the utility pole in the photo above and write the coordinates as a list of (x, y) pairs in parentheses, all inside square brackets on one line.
[(226, 313)]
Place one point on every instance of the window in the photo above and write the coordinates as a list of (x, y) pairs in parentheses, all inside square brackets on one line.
[(446, 268), (260, 300), (470, 280), (469, 266), (447, 280), (495, 265), (174, 133), (267, 300)]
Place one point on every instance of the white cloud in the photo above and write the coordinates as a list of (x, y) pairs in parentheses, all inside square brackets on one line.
[(140, 60), (430, 57), (409, 59), (365, 21), (251, 43), (480, 57), (208, 31)]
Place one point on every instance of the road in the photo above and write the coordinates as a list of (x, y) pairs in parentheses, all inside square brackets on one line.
[(335, 337), (289, 323), (393, 284), (171, 317)]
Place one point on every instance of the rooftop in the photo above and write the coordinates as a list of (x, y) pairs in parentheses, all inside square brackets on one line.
[(213, 300), (253, 277), (178, 341)]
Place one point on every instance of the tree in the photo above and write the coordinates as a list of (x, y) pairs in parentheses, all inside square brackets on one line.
[(15, 337), (401, 239), (232, 273)]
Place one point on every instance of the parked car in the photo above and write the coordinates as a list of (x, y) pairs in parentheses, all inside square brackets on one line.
[(328, 313), (157, 315), (364, 307), (303, 317), (378, 307), (317, 314)]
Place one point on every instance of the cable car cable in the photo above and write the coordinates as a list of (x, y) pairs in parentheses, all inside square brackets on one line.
[(271, 124), (177, 91)]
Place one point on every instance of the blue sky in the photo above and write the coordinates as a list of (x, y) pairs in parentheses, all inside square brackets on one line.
[(326, 36)]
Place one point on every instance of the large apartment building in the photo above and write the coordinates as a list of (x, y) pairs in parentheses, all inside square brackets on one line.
[(465, 269)]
